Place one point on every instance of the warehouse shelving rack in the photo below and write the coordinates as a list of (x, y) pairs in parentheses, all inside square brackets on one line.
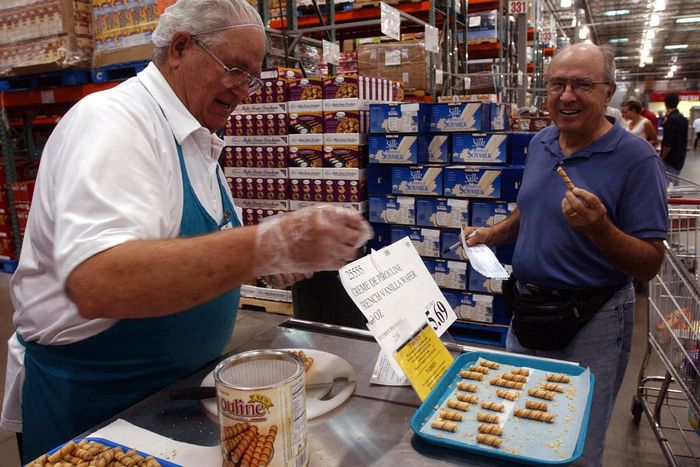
[(20, 112)]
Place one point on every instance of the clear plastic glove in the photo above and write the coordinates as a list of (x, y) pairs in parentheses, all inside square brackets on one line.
[(318, 238), (282, 281)]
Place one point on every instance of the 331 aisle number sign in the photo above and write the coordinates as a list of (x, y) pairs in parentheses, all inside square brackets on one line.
[(517, 7)]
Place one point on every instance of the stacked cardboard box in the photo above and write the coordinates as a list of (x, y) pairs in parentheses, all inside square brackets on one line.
[(123, 30), (435, 169), (301, 141), (44, 35), (403, 62)]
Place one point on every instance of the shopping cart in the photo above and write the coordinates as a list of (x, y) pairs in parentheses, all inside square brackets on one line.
[(674, 334)]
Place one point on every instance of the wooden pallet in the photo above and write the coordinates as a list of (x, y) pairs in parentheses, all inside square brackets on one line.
[(269, 306)]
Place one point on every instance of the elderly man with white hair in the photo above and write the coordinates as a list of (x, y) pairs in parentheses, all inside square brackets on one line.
[(134, 253)]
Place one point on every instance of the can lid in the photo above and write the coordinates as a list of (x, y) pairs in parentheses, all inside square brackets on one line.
[(258, 369)]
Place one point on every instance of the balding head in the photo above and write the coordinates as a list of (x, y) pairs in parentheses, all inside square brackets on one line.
[(601, 59)]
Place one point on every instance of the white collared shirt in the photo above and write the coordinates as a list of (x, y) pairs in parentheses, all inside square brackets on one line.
[(109, 174)]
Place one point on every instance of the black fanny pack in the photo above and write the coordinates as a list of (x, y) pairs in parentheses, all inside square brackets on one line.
[(547, 321)]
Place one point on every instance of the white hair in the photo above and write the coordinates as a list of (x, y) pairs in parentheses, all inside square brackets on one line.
[(199, 17)]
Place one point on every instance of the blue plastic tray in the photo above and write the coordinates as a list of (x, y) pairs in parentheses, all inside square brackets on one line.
[(447, 383), (112, 444)]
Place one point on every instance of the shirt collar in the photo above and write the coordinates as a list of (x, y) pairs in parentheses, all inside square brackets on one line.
[(181, 121), (606, 143)]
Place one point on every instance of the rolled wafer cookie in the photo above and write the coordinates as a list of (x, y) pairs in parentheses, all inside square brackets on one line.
[(534, 415), (450, 415), (470, 398), (490, 405), (558, 378), (462, 386), (491, 440), (487, 417), (491, 430), (489, 364), (443, 425), (471, 375), (536, 405), (541, 394), (562, 173), (459, 405), (552, 387), (521, 371), (503, 394)]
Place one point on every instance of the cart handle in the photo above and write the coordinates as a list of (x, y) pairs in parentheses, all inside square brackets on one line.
[(683, 201)]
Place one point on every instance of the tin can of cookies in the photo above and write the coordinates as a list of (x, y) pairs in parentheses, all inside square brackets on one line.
[(262, 409)]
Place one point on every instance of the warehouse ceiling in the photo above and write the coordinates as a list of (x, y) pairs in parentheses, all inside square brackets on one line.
[(624, 25)]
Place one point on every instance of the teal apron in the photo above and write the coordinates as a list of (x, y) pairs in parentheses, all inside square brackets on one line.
[(70, 388)]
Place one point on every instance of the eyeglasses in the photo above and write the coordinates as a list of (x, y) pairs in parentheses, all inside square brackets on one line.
[(234, 76), (578, 85)]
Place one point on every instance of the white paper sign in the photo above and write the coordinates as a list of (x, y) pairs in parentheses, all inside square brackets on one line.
[(517, 7), (438, 76), (390, 19), (392, 57), (384, 373), (485, 262), (331, 52), (396, 293), (432, 41)]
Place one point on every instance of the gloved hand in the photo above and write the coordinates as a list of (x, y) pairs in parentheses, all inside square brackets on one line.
[(318, 238), (282, 281)]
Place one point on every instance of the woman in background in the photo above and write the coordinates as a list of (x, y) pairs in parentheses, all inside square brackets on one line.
[(636, 124)]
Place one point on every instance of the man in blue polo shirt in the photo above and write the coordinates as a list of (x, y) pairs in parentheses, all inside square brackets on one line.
[(587, 243)]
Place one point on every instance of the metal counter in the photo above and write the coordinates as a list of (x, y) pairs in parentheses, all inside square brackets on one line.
[(370, 428)]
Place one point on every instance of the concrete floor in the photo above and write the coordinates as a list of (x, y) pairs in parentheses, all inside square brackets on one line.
[(627, 444)]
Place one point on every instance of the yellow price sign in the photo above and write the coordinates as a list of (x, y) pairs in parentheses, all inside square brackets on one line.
[(424, 359)]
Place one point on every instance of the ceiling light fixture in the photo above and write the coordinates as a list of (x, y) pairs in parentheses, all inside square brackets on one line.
[(659, 5), (566, 3), (676, 47), (583, 32), (654, 21), (624, 57), (615, 12), (619, 40), (674, 68), (689, 19)]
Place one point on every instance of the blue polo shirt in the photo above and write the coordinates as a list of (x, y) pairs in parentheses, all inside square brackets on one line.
[(620, 168)]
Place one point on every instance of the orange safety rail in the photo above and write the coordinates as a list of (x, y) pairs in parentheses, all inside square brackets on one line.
[(366, 13), (56, 95)]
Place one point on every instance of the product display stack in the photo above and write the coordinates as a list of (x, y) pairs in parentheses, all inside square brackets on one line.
[(22, 192), (434, 169), (301, 141)]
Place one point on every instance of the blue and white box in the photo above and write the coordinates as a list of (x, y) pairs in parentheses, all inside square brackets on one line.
[(382, 236), (454, 117), (480, 148), (448, 274), (426, 241), (449, 238), (482, 182), (398, 149), (438, 148), (417, 180), (399, 118), (519, 141), (477, 307), (488, 212), (442, 212), (379, 179), (499, 117), (389, 209)]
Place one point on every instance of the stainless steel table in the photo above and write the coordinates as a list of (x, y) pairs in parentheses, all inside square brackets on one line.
[(371, 428)]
